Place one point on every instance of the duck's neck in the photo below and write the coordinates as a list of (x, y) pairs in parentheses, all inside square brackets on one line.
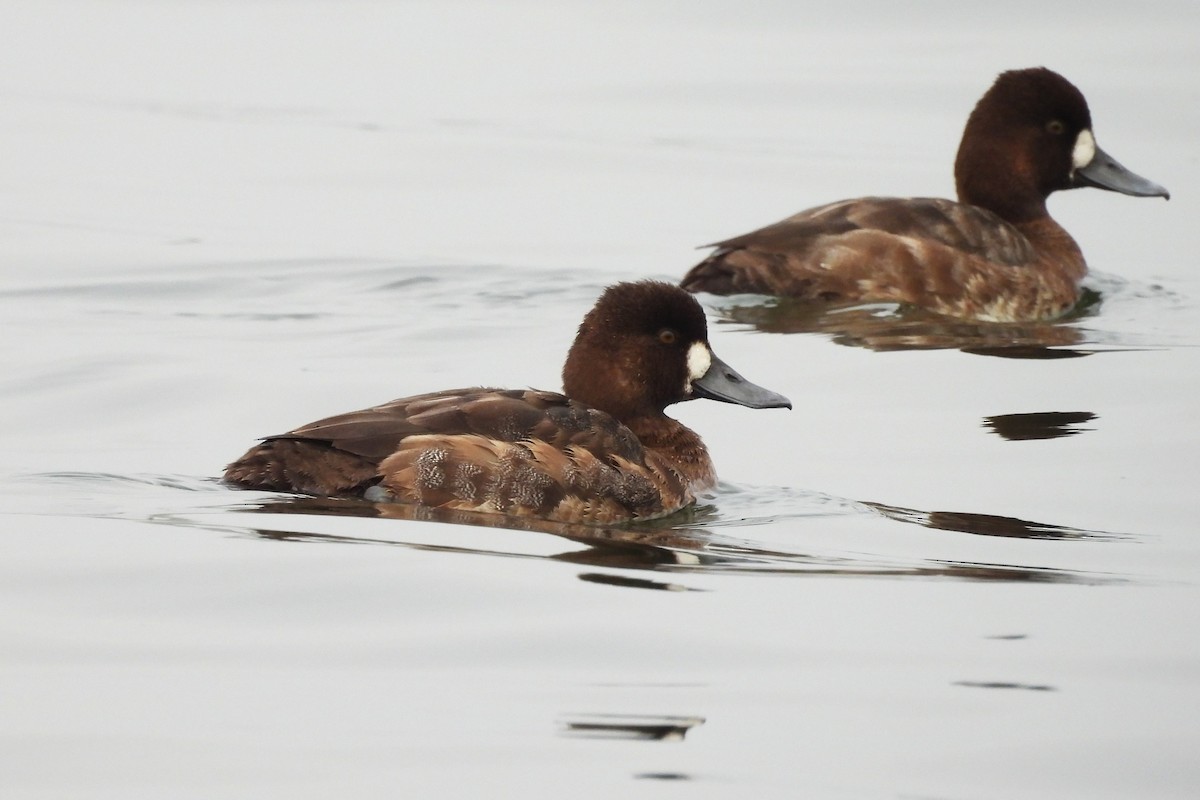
[(1013, 201), (988, 177), (678, 445)]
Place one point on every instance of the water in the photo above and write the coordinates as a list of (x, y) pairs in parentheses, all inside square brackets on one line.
[(964, 566)]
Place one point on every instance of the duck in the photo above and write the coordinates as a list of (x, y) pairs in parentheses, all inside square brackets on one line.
[(601, 452), (995, 255)]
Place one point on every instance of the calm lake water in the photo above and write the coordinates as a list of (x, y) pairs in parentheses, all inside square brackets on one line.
[(966, 565)]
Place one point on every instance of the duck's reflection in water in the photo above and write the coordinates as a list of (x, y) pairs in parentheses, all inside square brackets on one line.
[(1038, 425), (1029, 687), (889, 327), (683, 544), (610, 579), (630, 726), (988, 524)]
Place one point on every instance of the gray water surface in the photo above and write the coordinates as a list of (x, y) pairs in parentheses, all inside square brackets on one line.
[(964, 566)]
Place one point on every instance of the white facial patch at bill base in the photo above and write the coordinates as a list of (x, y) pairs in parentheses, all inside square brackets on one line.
[(1085, 149), (699, 360)]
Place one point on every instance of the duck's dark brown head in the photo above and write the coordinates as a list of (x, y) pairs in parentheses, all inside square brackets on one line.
[(1030, 135), (645, 346)]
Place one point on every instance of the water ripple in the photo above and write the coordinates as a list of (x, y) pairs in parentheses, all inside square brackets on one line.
[(803, 533)]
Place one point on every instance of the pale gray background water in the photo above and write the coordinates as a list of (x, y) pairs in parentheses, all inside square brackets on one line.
[(221, 220)]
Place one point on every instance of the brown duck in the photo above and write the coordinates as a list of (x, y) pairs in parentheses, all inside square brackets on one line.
[(995, 255), (602, 452)]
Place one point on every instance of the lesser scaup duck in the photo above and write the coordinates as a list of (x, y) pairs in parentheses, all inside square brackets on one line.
[(995, 255), (602, 452)]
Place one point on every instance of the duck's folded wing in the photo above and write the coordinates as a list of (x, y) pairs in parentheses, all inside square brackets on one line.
[(375, 433), (963, 227), (507, 415)]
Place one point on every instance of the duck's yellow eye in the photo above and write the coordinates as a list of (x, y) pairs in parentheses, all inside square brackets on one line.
[(668, 336), (1056, 127)]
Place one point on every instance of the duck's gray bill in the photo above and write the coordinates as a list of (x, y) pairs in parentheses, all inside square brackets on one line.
[(1105, 172), (722, 382)]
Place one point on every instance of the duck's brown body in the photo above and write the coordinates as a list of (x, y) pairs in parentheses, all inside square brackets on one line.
[(952, 258), (516, 452)]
